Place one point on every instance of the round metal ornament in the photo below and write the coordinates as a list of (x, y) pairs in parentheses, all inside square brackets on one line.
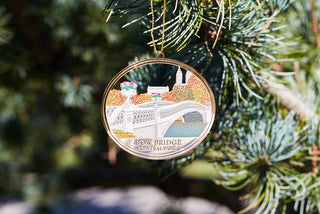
[(158, 108)]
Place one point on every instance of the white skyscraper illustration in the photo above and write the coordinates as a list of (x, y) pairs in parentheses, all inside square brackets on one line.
[(188, 75), (179, 77)]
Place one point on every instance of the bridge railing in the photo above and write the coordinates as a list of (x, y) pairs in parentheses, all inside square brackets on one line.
[(140, 116), (149, 112)]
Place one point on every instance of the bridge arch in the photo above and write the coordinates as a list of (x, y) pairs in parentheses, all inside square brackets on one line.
[(182, 109), (156, 119)]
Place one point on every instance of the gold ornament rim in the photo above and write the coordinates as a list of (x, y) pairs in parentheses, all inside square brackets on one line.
[(192, 144)]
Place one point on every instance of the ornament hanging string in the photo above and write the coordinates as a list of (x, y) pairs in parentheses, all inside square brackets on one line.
[(160, 52)]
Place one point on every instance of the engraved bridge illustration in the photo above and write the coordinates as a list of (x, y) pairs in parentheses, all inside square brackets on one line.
[(154, 118)]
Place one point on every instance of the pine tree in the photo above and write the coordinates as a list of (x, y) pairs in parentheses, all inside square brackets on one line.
[(262, 60)]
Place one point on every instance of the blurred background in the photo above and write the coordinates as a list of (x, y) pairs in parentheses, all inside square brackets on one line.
[(56, 58)]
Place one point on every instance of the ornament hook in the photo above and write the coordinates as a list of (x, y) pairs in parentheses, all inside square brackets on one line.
[(159, 54)]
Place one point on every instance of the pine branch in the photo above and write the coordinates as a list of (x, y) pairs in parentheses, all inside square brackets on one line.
[(288, 98), (258, 144)]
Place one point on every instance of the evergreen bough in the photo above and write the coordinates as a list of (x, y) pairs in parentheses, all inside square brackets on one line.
[(262, 60)]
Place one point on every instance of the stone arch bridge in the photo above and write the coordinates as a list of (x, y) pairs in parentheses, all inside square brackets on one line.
[(152, 120)]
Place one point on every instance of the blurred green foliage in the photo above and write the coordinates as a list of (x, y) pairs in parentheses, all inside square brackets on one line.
[(56, 57)]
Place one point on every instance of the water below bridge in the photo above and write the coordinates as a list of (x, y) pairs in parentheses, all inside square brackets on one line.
[(180, 129)]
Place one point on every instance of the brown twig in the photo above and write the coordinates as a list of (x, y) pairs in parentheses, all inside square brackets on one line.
[(314, 163), (296, 70), (209, 36), (314, 24), (112, 152)]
